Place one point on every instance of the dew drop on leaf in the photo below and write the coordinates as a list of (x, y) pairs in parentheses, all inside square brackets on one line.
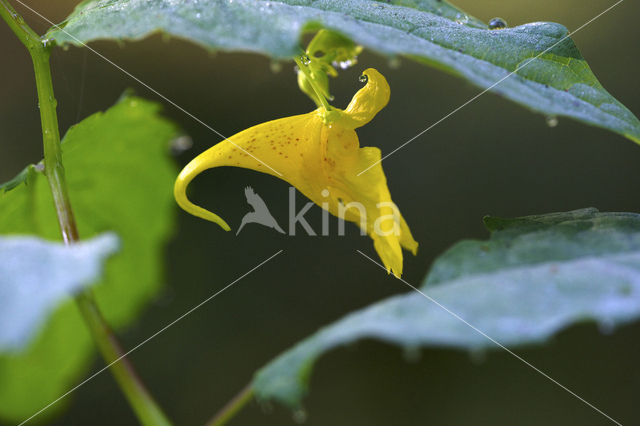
[(275, 66), (181, 144), (497, 24), (606, 326), (363, 78), (300, 416), (411, 354), (462, 19), (478, 356), (394, 63), (343, 65)]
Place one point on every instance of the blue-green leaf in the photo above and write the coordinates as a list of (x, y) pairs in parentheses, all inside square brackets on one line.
[(36, 275), (550, 75), (534, 276)]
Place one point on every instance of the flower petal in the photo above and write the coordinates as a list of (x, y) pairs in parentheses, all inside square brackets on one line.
[(287, 148), (319, 153), (364, 199), (366, 103)]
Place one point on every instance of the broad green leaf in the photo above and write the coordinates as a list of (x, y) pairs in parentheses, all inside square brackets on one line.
[(558, 82), (534, 276), (36, 275), (120, 177)]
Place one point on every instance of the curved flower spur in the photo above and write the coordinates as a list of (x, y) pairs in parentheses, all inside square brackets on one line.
[(319, 153)]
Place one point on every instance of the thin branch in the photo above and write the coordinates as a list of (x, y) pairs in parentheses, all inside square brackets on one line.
[(232, 407)]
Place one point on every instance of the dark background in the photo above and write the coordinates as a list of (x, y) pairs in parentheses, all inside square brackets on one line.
[(492, 157)]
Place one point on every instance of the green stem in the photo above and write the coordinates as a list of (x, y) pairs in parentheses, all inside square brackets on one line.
[(147, 410), (143, 404), (303, 68), (232, 408)]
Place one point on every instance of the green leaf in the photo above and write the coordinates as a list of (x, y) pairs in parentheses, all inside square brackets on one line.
[(557, 83), (120, 178), (21, 177), (36, 275), (536, 276)]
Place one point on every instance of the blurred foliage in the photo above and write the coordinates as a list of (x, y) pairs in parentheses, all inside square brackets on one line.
[(120, 178), (535, 277), (36, 275)]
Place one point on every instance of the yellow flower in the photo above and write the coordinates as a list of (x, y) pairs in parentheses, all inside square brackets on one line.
[(319, 153)]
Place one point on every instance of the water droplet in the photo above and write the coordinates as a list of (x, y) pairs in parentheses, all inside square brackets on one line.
[(198, 15), (363, 78), (46, 42), (181, 144), (300, 416), (345, 64), (305, 59), (478, 356), (411, 353), (552, 121), (394, 63), (275, 66), (606, 326), (462, 19), (497, 24), (325, 193)]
